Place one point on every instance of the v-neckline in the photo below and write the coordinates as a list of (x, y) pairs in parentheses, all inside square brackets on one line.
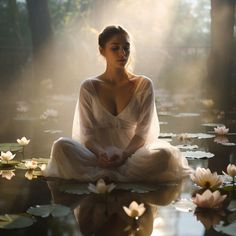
[(125, 107)]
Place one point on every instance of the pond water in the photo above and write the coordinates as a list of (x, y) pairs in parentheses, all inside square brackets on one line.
[(71, 209)]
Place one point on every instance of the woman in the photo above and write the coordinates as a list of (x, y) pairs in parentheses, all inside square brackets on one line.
[(115, 129)]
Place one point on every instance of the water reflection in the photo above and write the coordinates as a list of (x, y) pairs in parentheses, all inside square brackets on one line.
[(7, 174), (103, 214)]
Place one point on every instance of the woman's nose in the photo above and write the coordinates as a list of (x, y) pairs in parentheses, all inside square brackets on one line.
[(122, 52)]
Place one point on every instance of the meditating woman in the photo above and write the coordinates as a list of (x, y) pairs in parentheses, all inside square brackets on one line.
[(116, 128)]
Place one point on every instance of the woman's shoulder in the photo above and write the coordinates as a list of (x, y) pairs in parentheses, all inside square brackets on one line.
[(144, 82), (88, 83)]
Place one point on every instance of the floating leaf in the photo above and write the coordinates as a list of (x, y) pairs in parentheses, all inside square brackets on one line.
[(196, 135), (212, 124), (25, 118), (203, 135), (163, 122), (53, 131), (188, 147), (14, 221), (55, 210), (187, 114), (75, 189), (197, 154), (228, 144), (226, 229), (8, 164), (13, 147), (166, 135), (232, 205), (39, 160), (185, 205), (165, 113)]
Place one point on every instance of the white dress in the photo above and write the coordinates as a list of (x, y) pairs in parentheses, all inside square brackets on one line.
[(155, 161)]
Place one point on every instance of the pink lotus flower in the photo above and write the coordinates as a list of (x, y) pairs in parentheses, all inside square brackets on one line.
[(221, 130), (209, 199), (205, 179), (231, 170)]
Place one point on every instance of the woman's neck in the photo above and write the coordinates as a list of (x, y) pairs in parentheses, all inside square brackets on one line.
[(116, 75)]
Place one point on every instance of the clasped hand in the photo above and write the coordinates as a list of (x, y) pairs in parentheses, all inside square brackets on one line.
[(112, 157)]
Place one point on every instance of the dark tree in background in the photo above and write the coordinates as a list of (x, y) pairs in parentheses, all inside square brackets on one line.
[(221, 58), (42, 37)]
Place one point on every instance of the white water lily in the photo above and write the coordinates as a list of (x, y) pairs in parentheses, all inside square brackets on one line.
[(209, 199), (7, 156), (205, 178), (30, 174), (30, 165), (221, 130), (231, 170), (135, 210), (101, 187), (23, 141), (43, 167), (7, 174)]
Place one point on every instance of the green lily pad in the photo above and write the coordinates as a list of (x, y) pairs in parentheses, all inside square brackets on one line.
[(226, 229), (163, 123), (196, 135), (39, 160), (13, 147), (56, 210), (53, 131), (197, 154), (165, 113), (228, 144), (232, 205), (166, 135), (212, 124), (187, 114), (75, 189), (9, 164), (187, 147), (138, 188), (14, 221)]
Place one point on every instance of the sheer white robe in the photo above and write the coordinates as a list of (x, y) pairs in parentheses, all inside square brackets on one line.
[(156, 160)]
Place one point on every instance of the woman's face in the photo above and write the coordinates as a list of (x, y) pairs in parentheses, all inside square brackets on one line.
[(117, 51)]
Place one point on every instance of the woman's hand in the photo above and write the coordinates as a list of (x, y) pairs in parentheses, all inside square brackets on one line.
[(111, 158), (117, 156), (103, 159)]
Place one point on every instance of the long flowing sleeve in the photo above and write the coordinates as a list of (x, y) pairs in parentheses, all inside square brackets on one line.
[(83, 124), (148, 124)]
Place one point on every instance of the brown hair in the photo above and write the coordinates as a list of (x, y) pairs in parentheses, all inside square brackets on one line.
[(108, 33)]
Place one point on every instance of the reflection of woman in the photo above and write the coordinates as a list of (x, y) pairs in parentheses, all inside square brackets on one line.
[(99, 215), (116, 126)]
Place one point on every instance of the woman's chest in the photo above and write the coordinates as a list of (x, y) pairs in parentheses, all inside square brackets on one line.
[(115, 99)]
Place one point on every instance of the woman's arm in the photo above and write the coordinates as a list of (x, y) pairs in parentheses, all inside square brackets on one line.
[(135, 143), (94, 147)]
